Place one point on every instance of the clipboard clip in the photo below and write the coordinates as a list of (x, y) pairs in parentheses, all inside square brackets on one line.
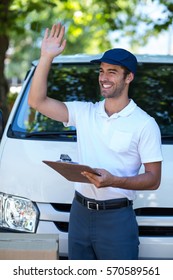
[(65, 158)]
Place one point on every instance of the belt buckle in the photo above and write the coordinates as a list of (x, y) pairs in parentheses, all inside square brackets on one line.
[(92, 202)]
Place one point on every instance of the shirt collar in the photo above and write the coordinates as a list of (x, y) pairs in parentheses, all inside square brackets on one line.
[(128, 110)]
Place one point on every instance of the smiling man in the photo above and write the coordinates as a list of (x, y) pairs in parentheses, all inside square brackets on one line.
[(116, 137)]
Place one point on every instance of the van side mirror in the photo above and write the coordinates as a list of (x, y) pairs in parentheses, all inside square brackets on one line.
[(1, 124)]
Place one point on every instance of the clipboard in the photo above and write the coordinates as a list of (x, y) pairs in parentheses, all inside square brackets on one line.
[(71, 171)]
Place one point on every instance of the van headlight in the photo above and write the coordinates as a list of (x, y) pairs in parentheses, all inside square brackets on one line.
[(18, 213)]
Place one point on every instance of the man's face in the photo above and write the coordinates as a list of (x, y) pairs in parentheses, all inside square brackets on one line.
[(112, 80)]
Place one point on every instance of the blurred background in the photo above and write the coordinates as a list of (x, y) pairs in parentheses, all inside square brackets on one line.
[(92, 26)]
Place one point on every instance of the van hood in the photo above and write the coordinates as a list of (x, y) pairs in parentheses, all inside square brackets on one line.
[(22, 172)]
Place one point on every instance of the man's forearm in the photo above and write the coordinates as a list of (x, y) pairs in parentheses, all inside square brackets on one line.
[(38, 91), (145, 181), (149, 180)]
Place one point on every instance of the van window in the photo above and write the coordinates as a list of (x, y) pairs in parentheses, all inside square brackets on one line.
[(152, 90), (66, 83)]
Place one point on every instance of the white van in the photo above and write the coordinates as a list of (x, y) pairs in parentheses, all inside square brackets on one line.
[(36, 199)]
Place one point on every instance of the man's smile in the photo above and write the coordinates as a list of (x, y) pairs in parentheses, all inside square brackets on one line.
[(106, 86)]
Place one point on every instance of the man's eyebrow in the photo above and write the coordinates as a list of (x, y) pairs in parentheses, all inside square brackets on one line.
[(109, 69)]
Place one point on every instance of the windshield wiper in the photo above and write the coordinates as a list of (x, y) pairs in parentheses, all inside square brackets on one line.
[(50, 134), (68, 134)]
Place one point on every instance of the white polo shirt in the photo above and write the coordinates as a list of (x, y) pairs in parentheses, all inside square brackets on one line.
[(119, 143)]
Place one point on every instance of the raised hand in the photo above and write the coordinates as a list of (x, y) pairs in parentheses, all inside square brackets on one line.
[(53, 42)]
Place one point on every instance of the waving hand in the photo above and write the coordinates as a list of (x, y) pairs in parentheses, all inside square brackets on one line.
[(53, 42)]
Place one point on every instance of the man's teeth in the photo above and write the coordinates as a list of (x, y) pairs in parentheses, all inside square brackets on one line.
[(106, 86)]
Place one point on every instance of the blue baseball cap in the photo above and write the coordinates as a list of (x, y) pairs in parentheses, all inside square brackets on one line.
[(120, 57)]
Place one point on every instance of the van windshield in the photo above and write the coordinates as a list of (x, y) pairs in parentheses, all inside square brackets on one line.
[(152, 90), (66, 82)]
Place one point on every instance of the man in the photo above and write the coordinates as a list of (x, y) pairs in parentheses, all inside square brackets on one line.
[(115, 136)]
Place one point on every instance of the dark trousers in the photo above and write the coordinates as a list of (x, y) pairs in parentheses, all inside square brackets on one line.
[(102, 235)]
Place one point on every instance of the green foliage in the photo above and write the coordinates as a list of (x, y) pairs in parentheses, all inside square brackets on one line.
[(88, 25)]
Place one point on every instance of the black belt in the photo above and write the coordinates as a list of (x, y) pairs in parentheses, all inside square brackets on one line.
[(103, 205)]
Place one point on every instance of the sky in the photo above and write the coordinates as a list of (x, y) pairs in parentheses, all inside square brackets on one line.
[(163, 44)]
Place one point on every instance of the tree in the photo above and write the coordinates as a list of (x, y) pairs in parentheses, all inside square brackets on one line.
[(88, 27), (4, 44)]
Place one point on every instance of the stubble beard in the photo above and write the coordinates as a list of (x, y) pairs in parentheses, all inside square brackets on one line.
[(115, 94)]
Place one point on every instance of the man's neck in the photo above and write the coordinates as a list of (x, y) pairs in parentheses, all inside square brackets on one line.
[(113, 106)]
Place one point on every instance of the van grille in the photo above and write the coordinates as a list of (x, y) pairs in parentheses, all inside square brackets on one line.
[(163, 231), (156, 231), (62, 207), (62, 226), (154, 211)]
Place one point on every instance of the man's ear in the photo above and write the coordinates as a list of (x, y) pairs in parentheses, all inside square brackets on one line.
[(130, 77)]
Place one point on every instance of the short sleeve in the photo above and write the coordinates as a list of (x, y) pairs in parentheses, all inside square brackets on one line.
[(71, 114), (150, 142)]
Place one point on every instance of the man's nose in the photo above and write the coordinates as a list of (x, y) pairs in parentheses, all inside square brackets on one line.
[(104, 77)]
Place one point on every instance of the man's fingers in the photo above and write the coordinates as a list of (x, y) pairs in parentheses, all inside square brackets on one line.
[(52, 32), (58, 29), (63, 45), (46, 34), (92, 177), (61, 33)]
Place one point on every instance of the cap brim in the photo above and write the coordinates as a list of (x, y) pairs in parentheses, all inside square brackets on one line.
[(96, 61), (109, 61)]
